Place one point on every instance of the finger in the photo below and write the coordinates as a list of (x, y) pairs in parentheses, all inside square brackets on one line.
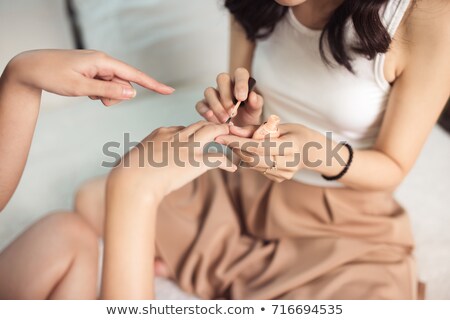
[(245, 144), (210, 132), (94, 97), (224, 85), (203, 109), (235, 141), (211, 117), (270, 174), (107, 102), (255, 102), (272, 147), (129, 73), (105, 89), (244, 132), (189, 130), (251, 161), (175, 129), (241, 77), (260, 162), (212, 100), (110, 102), (247, 158)]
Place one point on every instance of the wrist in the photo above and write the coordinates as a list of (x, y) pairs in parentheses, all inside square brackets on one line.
[(18, 74), (14, 81), (327, 157)]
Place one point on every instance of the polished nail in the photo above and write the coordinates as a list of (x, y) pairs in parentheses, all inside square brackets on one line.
[(129, 92)]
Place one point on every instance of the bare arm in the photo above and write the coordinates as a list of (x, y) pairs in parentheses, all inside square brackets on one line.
[(129, 241), (64, 72), (241, 49), (418, 96), (133, 194), (19, 109), (417, 99)]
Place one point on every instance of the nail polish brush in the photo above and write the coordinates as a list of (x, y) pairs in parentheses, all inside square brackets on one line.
[(251, 85)]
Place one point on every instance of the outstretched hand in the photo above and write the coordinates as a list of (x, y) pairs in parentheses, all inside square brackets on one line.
[(81, 73)]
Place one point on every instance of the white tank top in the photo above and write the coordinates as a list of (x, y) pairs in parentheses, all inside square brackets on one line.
[(299, 88)]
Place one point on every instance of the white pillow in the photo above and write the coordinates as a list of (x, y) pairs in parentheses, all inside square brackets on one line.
[(176, 41), (37, 24)]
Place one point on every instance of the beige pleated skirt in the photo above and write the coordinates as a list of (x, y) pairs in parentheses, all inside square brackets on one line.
[(242, 236)]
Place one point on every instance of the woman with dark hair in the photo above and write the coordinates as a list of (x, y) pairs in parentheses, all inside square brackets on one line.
[(374, 74)]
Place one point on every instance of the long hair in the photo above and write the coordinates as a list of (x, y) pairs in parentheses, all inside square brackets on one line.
[(260, 17)]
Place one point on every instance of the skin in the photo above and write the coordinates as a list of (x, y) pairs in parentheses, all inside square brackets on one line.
[(74, 73), (420, 88), (417, 81), (57, 257), (129, 258)]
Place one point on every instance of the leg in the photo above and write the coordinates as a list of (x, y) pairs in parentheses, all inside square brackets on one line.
[(56, 258), (90, 204)]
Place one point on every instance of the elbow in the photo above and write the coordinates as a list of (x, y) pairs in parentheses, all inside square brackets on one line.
[(398, 174), (389, 181), (393, 179)]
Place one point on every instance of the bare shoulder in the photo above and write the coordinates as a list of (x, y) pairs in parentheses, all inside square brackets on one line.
[(428, 24)]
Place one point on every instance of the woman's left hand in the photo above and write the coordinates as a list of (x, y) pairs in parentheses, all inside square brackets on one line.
[(278, 156)]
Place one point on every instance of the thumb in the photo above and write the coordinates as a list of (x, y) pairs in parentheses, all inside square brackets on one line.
[(109, 90)]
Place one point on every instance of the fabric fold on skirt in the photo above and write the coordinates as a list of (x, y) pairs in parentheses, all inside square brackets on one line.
[(242, 236)]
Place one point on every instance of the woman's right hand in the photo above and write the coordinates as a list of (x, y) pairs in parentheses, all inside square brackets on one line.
[(218, 102), (168, 159)]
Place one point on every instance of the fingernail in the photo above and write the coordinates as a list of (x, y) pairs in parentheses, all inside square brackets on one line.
[(170, 90), (129, 92), (242, 95)]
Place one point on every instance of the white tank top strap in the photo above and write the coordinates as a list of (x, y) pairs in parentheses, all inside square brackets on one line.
[(299, 88), (392, 17), (393, 14)]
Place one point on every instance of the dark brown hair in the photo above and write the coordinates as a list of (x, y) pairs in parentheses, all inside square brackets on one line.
[(259, 19)]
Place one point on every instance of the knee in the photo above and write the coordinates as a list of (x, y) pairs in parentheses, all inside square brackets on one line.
[(44, 254), (84, 199), (73, 234)]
